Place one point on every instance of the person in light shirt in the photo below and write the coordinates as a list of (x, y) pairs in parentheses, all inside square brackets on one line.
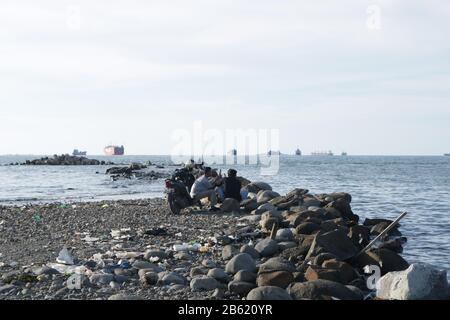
[(203, 188)]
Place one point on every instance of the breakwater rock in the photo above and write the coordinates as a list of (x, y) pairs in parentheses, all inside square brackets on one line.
[(138, 171), (297, 246), (65, 160)]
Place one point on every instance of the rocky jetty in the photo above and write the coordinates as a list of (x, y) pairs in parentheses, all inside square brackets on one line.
[(65, 160), (138, 171), (293, 247)]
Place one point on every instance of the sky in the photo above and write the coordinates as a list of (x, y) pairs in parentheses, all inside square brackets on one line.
[(365, 77)]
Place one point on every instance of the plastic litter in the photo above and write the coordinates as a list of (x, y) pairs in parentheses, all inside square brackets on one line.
[(66, 269), (65, 257), (37, 217), (90, 239)]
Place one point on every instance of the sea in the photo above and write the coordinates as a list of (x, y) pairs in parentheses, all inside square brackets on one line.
[(381, 186)]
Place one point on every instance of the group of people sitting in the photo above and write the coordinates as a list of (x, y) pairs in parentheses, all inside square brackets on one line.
[(216, 188)]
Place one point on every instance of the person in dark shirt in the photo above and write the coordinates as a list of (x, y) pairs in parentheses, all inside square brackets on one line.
[(232, 186)]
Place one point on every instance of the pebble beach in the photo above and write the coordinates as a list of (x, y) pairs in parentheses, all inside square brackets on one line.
[(137, 249)]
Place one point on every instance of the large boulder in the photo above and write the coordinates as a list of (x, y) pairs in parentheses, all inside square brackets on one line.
[(321, 290), (284, 234), (230, 205), (346, 272), (258, 186), (245, 276), (241, 288), (242, 261), (219, 274), (277, 279), (307, 228), (171, 278), (419, 282), (264, 196), (360, 235), (276, 264), (267, 247), (268, 293), (386, 259), (204, 283), (343, 206), (335, 242), (228, 252), (250, 250), (316, 273)]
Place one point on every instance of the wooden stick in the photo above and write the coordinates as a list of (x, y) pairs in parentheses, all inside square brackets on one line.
[(273, 233), (389, 228)]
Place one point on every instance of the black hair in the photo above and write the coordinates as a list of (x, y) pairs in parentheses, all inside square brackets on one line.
[(208, 169), (232, 173)]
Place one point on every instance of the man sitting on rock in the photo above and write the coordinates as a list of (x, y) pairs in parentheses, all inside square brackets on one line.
[(232, 186), (202, 188)]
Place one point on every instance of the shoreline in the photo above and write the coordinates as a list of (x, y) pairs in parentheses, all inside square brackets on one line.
[(142, 235)]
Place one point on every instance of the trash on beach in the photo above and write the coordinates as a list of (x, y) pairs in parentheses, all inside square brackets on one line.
[(63, 206), (90, 239), (65, 257), (203, 249), (128, 255), (154, 259), (2, 222), (156, 232), (37, 217), (67, 269), (115, 233), (104, 206), (181, 247), (179, 234)]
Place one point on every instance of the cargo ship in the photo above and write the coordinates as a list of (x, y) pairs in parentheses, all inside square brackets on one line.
[(298, 152), (322, 153), (77, 152), (446, 154), (114, 150)]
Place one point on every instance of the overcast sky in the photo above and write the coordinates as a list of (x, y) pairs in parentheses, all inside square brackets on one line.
[(367, 77)]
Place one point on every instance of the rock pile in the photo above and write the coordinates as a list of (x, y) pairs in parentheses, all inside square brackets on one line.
[(293, 247), (65, 160), (136, 170)]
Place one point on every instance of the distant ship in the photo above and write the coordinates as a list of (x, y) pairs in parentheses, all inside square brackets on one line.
[(322, 153), (344, 153), (447, 154), (114, 150), (298, 152), (273, 153), (77, 152), (232, 152)]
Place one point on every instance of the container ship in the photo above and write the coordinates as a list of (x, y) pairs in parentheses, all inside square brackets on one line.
[(114, 150), (322, 153)]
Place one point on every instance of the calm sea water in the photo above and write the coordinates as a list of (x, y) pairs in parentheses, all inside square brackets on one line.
[(380, 186)]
